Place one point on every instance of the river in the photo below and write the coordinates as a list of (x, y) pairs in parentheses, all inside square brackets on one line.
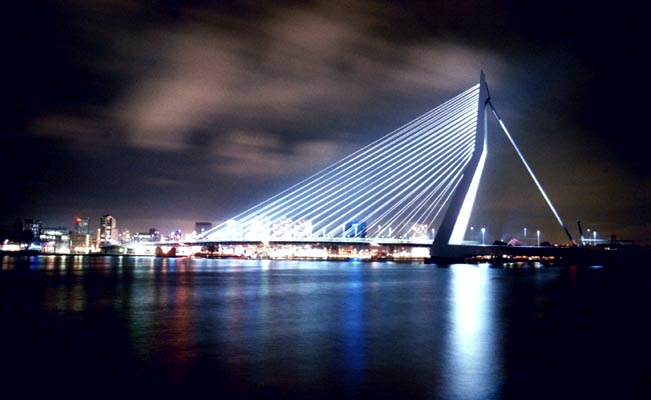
[(127, 327)]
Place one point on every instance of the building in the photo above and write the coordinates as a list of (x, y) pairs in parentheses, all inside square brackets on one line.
[(302, 228), (108, 232), (125, 236), (355, 229), (82, 225), (80, 243), (418, 231), (175, 236), (27, 230), (55, 240), (201, 227), (142, 237), (282, 228), (155, 235)]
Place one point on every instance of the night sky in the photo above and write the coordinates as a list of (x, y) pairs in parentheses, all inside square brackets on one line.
[(166, 113)]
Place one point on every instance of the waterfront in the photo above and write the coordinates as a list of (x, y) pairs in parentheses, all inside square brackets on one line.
[(163, 328)]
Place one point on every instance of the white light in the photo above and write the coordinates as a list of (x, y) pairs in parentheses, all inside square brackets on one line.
[(408, 175), (466, 208), (289, 198)]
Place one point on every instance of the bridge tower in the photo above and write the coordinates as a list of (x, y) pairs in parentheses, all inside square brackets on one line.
[(455, 221)]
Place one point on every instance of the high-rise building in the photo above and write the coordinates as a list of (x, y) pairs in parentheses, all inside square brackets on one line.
[(201, 227), (107, 230), (82, 225)]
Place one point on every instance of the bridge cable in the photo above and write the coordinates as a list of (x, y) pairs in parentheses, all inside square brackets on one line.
[(533, 176)]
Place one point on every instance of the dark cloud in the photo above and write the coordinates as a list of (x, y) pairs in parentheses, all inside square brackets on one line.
[(164, 113)]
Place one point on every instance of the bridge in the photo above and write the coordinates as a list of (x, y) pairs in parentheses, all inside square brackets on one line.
[(414, 187)]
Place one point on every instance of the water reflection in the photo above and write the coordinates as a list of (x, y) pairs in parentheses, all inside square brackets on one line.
[(265, 329), (354, 347), (161, 317), (474, 367)]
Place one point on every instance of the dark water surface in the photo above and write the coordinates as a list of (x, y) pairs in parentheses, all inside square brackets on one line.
[(110, 327)]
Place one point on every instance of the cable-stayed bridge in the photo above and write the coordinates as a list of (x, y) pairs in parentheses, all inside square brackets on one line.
[(415, 186), (396, 188)]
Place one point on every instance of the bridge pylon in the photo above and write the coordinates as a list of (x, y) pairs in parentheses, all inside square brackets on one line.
[(448, 244), (455, 221)]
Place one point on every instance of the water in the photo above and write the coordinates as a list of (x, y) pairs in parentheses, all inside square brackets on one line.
[(109, 327)]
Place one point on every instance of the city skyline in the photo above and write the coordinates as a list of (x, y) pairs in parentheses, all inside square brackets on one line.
[(189, 113)]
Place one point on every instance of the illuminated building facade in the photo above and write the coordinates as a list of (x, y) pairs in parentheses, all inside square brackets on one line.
[(355, 229), (55, 240), (125, 236), (108, 232), (155, 235), (80, 243), (82, 225), (142, 237)]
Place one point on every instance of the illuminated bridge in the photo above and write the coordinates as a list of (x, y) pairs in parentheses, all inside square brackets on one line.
[(414, 187)]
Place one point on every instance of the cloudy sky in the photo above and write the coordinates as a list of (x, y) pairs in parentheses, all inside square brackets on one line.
[(163, 113)]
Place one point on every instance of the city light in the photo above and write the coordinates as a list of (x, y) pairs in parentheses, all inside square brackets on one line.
[(401, 182)]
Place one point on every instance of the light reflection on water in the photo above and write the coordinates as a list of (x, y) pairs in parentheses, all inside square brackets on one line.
[(474, 365), (246, 328)]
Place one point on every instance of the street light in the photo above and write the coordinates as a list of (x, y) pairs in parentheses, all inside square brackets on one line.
[(594, 238), (472, 230), (525, 233), (538, 236), (483, 232)]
